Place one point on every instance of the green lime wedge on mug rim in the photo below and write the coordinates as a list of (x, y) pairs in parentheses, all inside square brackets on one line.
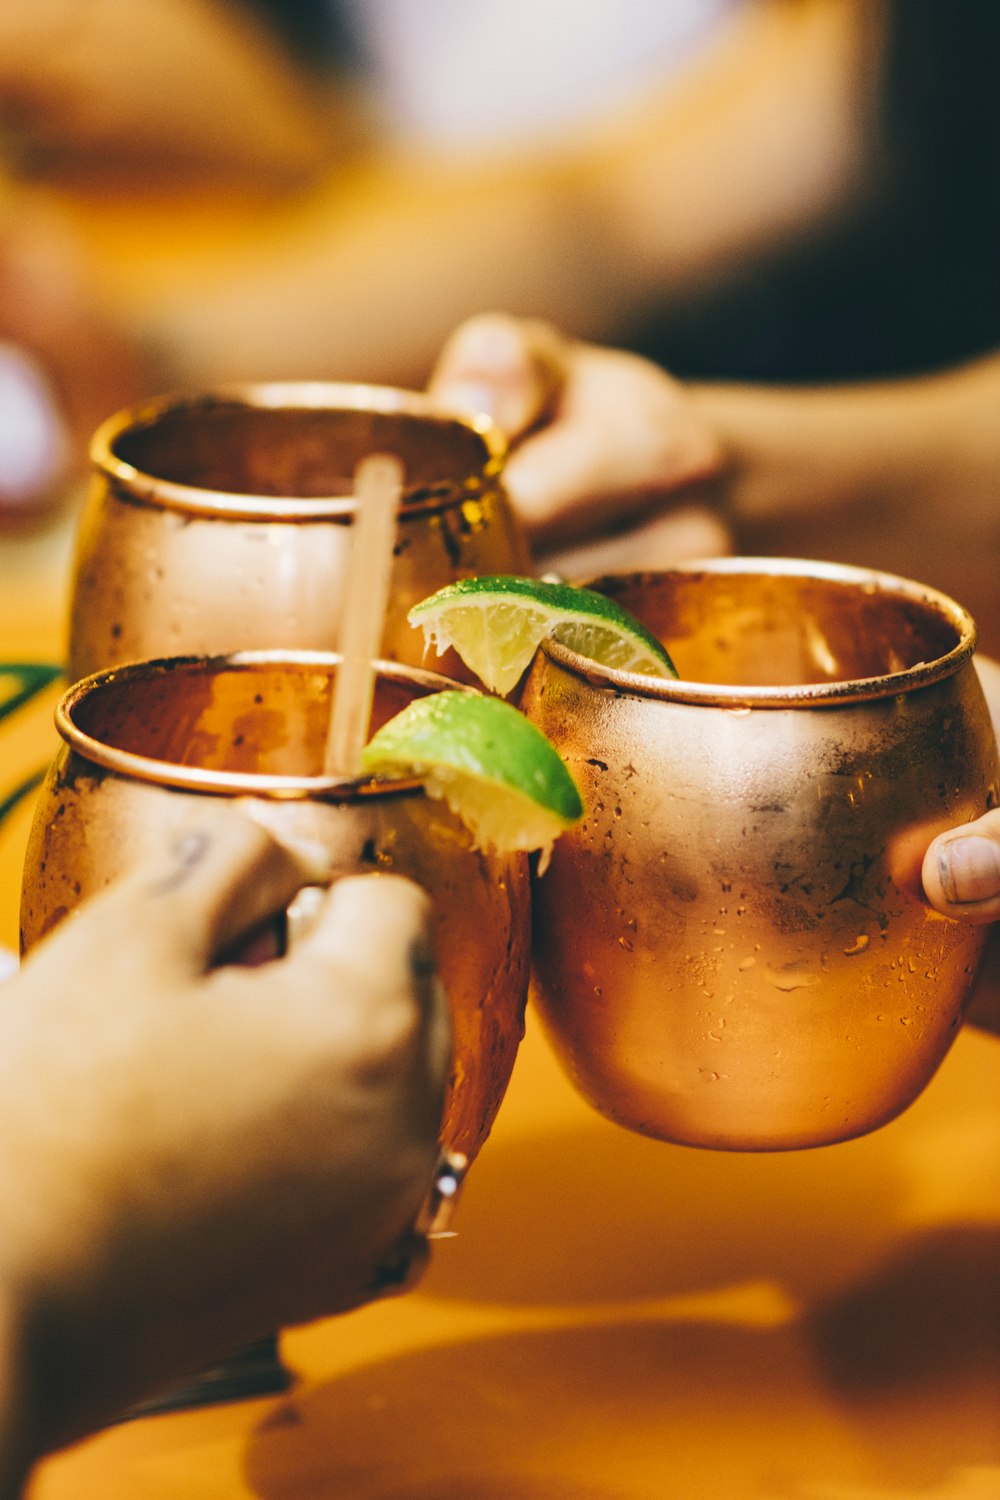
[(496, 624), (495, 770)]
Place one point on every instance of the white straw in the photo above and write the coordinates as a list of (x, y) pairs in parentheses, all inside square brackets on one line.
[(378, 485)]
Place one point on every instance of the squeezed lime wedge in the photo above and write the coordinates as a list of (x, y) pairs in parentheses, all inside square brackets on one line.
[(496, 624), (491, 765)]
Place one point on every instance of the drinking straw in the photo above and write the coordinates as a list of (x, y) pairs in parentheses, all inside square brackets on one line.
[(378, 485)]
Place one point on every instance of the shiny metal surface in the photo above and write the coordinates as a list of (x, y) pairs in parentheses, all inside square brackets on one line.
[(145, 744), (732, 950), (221, 522)]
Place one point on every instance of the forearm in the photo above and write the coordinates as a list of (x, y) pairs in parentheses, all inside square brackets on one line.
[(895, 446), (770, 135)]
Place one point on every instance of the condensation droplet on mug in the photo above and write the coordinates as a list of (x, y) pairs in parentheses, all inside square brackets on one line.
[(794, 976), (858, 946), (746, 963)]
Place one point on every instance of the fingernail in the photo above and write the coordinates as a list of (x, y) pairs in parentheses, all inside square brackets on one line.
[(302, 913), (473, 396), (493, 342), (969, 869)]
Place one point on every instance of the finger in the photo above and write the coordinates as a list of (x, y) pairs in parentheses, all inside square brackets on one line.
[(377, 928), (961, 871), (217, 878), (512, 369), (374, 936), (625, 440)]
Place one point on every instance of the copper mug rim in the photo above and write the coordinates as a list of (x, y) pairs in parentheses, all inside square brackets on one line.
[(235, 783), (307, 395), (812, 694)]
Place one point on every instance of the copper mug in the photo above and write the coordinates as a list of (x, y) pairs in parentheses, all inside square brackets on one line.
[(144, 745), (732, 951), (221, 522)]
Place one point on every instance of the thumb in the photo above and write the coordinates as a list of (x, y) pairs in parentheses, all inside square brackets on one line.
[(191, 899), (961, 871), (511, 369)]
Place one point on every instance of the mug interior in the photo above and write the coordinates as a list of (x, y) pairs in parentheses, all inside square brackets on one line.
[(767, 627), (229, 716), (300, 452)]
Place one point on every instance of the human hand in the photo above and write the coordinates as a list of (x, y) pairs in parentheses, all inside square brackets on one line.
[(961, 871), (961, 868), (612, 466), (195, 1153), (961, 876), (961, 879)]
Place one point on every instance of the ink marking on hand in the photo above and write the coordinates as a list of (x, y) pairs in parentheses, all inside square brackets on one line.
[(188, 851)]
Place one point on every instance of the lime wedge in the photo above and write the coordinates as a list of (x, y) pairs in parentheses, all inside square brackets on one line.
[(497, 623), (499, 773)]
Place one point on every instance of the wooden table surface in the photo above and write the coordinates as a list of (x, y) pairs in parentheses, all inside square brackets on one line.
[(617, 1319)]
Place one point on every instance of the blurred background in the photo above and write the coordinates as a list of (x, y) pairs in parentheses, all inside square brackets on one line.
[(195, 191)]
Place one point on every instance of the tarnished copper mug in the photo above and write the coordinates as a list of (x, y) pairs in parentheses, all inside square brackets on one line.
[(145, 744), (732, 951), (222, 522)]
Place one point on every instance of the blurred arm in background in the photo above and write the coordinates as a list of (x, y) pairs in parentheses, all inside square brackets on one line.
[(763, 135), (105, 88), (798, 195), (126, 104)]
